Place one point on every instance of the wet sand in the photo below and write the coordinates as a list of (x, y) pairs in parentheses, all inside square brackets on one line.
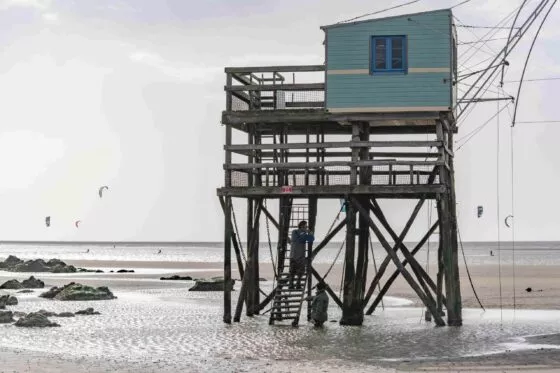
[(543, 280), (145, 282)]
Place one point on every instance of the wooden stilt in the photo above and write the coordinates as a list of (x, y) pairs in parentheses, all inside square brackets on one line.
[(448, 231), (234, 241), (227, 204), (312, 208)]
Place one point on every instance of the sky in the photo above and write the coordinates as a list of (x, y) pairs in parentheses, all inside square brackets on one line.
[(129, 94)]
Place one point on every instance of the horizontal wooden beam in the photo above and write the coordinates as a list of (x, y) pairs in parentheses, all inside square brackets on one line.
[(337, 191), (338, 144), (275, 69), (301, 104), (277, 87), (320, 115), (307, 165), (269, 154)]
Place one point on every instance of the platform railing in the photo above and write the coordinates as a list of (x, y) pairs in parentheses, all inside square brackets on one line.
[(276, 87)]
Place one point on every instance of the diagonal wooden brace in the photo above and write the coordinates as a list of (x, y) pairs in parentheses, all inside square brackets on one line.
[(431, 306), (395, 274), (387, 260), (423, 275)]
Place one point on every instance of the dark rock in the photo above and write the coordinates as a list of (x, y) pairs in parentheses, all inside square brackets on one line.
[(11, 284), (36, 265), (87, 311), (89, 270), (46, 313), (214, 284), (262, 279), (25, 291), (125, 271), (2, 305), (35, 319), (19, 314), (177, 277), (6, 317), (75, 291), (33, 283), (111, 271), (8, 300), (12, 261), (55, 263), (52, 292), (63, 269), (66, 314)]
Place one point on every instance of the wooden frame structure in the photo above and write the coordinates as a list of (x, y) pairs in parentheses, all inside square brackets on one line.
[(295, 151)]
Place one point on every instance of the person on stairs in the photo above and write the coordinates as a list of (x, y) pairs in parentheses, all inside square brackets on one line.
[(319, 305), (300, 237)]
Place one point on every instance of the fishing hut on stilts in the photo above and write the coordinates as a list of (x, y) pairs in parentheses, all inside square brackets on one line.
[(374, 122)]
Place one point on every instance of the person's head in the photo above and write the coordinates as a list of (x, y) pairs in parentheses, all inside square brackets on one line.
[(302, 224), (321, 286)]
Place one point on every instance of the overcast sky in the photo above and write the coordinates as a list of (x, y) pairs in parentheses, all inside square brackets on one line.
[(129, 94)]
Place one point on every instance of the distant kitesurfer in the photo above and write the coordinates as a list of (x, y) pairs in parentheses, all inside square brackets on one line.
[(491, 253), (159, 252), (87, 251)]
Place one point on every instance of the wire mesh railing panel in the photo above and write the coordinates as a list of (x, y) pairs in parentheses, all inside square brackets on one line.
[(239, 179), (334, 175)]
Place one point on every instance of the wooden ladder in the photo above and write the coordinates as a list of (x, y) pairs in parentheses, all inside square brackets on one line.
[(288, 301)]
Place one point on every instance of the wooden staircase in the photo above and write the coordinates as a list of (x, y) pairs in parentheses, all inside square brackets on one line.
[(288, 300)]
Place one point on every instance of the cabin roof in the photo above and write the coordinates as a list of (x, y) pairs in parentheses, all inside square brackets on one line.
[(324, 28)]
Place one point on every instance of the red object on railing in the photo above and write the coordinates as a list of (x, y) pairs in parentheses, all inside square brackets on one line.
[(287, 189)]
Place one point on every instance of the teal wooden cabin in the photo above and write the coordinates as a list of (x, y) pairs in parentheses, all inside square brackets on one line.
[(405, 63)]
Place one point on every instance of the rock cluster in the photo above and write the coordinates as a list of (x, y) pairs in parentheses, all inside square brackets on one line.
[(30, 283), (213, 284), (74, 291), (177, 277)]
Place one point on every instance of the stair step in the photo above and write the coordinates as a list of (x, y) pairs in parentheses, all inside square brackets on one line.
[(284, 318), (285, 314)]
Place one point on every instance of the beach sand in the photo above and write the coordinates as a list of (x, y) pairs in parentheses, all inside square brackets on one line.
[(152, 315)]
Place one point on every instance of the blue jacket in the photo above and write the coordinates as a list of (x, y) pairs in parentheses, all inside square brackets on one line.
[(298, 241)]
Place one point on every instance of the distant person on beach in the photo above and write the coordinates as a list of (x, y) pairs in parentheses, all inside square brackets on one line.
[(300, 237), (319, 305), (87, 251), (491, 253)]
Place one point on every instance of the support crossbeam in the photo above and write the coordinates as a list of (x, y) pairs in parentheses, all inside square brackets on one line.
[(395, 274), (431, 306)]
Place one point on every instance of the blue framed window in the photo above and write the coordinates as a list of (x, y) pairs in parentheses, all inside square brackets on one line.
[(388, 54)]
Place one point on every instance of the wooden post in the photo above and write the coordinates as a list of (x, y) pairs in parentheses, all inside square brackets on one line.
[(234, 240), (439, 290), (312, 205), (350, 315), (448, 231), (228, 229)]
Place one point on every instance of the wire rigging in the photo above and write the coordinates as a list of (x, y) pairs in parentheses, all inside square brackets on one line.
[(464, 2), (498, 208), (527, 60), (378, 12)]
